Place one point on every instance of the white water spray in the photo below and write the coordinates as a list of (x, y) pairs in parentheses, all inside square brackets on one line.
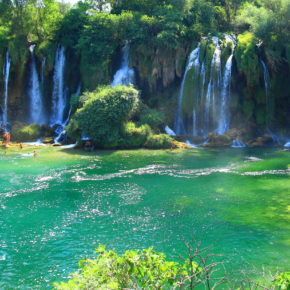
[(125, 75), (238, 144), (60, 131), (6, 70), (267, 90), (192, 61), (224, 118), (35, 95), (58, 93)]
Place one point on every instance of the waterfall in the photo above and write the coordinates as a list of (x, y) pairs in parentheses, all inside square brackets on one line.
[(6, 70), (58, 93), (192, 61), (267, 89), (35, 95), (43, 62), (210, 92), (60, 131), (224, 118), (213, 88), (238, 144), (169, 131), (125, 75)]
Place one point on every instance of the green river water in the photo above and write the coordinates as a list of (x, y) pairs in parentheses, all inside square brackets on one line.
[(56, 208)]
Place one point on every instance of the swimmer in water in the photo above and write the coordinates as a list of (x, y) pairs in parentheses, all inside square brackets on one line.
[(20, 145), (34, 154)]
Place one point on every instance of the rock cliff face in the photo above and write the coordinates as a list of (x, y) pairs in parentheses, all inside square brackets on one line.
[(159, 74), (158, 69)]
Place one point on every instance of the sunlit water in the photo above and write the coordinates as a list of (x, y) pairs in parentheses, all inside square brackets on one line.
[(56, 208)]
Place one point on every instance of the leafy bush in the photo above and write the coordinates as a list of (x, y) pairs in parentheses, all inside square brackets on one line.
[(282, 281), (161, 141), (134, 270), (148, 269), (133, 136), (246, 57), (23, 132), (103, 114), (155, 119)]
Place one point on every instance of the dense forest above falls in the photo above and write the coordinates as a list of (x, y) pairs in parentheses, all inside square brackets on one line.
[(196, 78)]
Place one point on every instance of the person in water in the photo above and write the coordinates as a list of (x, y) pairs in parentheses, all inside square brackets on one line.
[(20, 145), (34, 154)]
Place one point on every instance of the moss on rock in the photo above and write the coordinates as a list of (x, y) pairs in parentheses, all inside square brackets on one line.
[(23, 133), (161, 141)]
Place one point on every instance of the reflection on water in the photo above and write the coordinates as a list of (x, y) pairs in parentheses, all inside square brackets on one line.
[(57, 207)]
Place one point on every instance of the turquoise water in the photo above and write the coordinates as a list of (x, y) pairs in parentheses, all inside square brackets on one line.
[(56, 208)]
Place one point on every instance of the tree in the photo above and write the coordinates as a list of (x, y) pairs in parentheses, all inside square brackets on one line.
[(104, 113)]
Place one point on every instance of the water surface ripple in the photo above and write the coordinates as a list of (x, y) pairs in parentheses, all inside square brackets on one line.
[(56, 208)]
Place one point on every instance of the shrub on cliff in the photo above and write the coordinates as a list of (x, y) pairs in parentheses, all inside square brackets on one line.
[(104, 113), (23, 132), (152, 117), (246, 57)]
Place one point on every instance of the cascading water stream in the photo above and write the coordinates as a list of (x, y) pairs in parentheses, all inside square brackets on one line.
[(213, 88), (192, 61), (58, 93), (207, 88), (42, 71), (35, 95), (224, 118), (125, 75), (267, 90), (60, 131), (238, 144), (6, 71)]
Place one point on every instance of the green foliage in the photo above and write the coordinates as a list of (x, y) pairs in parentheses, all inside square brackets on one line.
[(282, 281), (268, 20), (132, 270), (22, 132), (97, 45), (148, 269), (202, 50), (74, 102), (227, 51), (134, 137), (189, 91), (103, 114), (247, 58), (161, 141), (152, 117)]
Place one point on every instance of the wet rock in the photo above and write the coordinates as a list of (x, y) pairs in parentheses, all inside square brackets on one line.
[(48, 140), (25, 133), (216, 140), (195, 139), (265, 140), (233, 133), (57, 144), (47, 131)]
